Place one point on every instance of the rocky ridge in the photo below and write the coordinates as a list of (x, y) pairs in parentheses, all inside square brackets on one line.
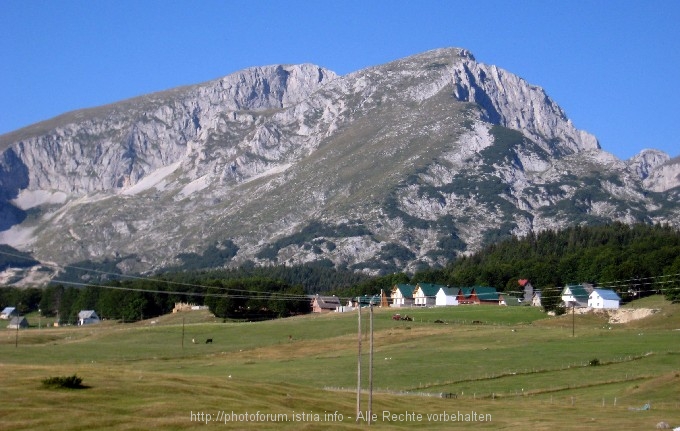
[(387, 168)]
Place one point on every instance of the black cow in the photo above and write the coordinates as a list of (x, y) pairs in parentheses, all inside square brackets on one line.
[(208, 341)]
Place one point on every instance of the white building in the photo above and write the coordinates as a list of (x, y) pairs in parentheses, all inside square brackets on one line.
[(576, 295), (602, 298), (425, 294), (402, 295), (86, 317), (446, 296)]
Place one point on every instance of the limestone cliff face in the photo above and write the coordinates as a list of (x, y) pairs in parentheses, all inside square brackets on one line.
[(390, 167), (508, 100), (658, 171), (115, 146)]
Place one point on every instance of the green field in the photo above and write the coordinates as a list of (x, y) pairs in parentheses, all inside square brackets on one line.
[(514, 367)]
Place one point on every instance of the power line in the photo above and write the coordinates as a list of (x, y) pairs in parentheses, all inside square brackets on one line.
[(257, 295), (134, 277), (250, 294)]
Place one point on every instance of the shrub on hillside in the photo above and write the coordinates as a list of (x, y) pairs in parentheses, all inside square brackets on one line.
[(68, 382)]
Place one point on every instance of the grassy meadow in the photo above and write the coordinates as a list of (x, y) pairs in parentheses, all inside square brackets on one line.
[(515, 367)]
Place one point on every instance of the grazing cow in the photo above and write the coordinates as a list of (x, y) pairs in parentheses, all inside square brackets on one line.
[(193, 340), (208, 341)]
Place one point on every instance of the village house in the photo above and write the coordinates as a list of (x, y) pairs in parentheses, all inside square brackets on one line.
[(480, 295), (325, 304), (525, 284), (446, 297), (425, 294), (465, 296), (488, 295), (576, 295), (604, 299), (536, 299), (402, 295), (87, 317), (17, 322), (8, 312)]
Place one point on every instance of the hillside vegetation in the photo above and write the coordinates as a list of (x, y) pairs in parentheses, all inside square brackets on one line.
[(639, 259), (635, 261)]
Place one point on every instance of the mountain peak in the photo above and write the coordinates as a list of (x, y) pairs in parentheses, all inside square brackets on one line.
[(393, 167)]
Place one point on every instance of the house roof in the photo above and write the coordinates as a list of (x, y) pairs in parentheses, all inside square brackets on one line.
[(8, 310), (18, 320), (327, 301), (485, 293), (87, 314), (577, 291), (449, 291), (429, 289), (405, 289), (607, 294), (523, 281), (465, 291)]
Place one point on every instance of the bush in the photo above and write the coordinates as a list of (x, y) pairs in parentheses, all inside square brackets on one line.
[(594, 362), (68, 382)]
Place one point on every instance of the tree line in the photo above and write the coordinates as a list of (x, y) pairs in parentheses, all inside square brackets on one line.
[(253, 298), (635, 261)]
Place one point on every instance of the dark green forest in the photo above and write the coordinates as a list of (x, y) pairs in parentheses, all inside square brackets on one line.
[(633, 260), (640, 258)]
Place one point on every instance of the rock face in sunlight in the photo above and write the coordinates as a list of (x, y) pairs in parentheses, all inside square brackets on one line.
[(387, 168)]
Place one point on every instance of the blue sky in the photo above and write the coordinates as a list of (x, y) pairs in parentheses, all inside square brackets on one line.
[(613, 66)]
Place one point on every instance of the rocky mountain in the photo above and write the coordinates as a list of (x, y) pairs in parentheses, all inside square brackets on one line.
[(388, 168)]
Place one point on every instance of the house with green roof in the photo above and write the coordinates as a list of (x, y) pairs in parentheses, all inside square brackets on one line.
[(576, 295), (425, 294), (480, 295), (402, 295), (465, 295), (487, 295)]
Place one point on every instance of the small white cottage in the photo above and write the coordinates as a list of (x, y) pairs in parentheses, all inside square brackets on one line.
[(603, 299), (446, 296), (87, 317)]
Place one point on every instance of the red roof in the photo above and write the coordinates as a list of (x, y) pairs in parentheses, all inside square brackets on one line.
[(523, 281)]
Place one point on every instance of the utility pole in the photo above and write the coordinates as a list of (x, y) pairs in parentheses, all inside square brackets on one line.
[(573, 318), (359, 365), (16, 338), (182, 333)]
